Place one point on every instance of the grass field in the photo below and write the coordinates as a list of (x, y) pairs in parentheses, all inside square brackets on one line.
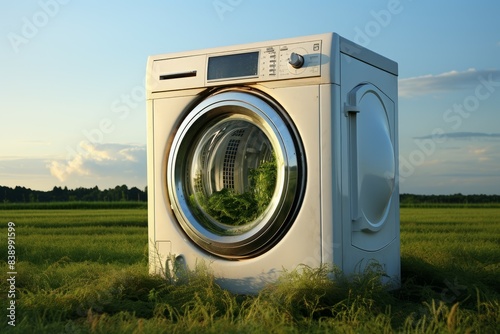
[(85, 271)]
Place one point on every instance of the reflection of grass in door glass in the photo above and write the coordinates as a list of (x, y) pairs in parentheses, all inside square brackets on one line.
[(230, 208), (263, 183)]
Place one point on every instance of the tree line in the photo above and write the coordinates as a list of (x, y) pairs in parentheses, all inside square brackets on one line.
[(123, 193), (59, 194), (412, 199)]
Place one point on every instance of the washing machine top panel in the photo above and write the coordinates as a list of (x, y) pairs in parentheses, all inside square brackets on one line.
[(270, 62), (295, 61)]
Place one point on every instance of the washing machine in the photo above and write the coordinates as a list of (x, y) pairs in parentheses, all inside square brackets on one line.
[(271, 156)]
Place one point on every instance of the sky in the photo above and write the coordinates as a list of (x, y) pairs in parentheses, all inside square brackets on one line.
[(72, 104)]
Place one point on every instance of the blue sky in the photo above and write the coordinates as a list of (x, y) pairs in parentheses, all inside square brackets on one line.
[(72, 109)]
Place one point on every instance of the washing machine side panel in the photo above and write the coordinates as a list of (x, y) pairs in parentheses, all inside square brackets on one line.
[(396, 248), (331, 177), (354, 73)]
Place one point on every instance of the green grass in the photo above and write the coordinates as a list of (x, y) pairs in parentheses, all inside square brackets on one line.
[(452, 244), (80, 205), (85, 271)]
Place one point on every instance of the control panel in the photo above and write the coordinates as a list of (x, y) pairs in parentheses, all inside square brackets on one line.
[(295, 60), (300, 60)]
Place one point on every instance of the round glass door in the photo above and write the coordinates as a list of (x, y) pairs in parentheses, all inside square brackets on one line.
[(235, 174)]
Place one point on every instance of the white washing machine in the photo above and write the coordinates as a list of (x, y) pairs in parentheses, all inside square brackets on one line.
[(267, 156)]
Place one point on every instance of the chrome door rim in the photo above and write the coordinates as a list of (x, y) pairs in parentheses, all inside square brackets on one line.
[(252, 110)]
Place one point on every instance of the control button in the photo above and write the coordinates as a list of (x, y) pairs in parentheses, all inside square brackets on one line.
[(296, 60)]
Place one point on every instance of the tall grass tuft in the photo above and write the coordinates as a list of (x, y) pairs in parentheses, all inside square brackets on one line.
[(325, 297)]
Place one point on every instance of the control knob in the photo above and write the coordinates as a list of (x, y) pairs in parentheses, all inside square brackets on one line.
[(296, 60)]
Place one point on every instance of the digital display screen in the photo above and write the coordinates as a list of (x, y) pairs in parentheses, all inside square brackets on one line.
[(233, 66)]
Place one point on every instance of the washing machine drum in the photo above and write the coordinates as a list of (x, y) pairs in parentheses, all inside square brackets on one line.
[(236, 174)]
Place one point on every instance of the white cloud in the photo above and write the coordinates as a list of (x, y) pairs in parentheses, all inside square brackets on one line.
[(132, 153), (478, 151), (63, 170), (465, 136), (445, 82), (101, 161), (96, 153)]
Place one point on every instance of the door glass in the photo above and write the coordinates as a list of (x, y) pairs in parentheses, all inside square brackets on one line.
[(232, 175), (235, 174)]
